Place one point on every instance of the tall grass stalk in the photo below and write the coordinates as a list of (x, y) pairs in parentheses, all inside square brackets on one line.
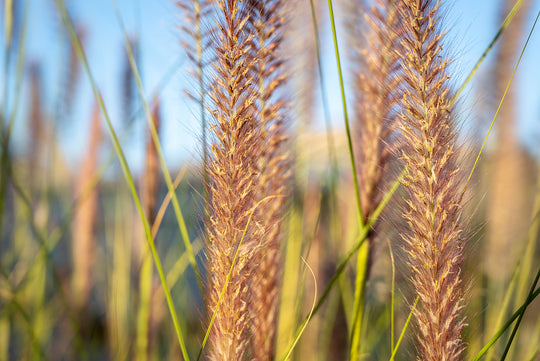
[(149, 189), (84, 223), (508, 206), (119, 306)]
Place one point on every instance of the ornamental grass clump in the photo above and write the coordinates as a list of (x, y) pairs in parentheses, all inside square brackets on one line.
[(434, 241)]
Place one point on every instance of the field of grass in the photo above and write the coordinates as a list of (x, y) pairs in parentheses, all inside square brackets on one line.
[(409, 232)]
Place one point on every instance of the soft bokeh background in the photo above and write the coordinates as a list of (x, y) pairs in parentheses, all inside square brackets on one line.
[(472, 25)]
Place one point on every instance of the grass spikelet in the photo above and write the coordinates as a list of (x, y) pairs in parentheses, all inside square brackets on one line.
[(150, 182), (233, 171), (84, 232), (434, 242), (267, 21)]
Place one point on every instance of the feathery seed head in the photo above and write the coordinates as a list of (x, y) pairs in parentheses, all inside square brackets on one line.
[(434, 240)]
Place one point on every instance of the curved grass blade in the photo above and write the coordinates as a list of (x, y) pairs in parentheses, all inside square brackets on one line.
[(127, 173), (516, 326), (500, 104), (157, 143), (508, 323), (359, 241), (504, 25), (303, 327), (394, 351)]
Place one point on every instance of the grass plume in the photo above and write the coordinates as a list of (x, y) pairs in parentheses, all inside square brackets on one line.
[(376, 81), (233, 172), (434, 242), (267, 21)]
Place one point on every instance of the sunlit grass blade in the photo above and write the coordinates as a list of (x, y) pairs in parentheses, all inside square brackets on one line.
[(395, 349), (358, 243), (127, 174), (508, 323), (346, 117), (361, 269), (500, 105), (392, 295), (504, 25), (155, 137), (303, 327)]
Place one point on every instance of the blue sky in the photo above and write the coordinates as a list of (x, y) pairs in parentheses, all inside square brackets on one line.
[(471, 24)]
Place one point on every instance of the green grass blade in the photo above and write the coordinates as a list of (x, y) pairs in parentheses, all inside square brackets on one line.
[(326, 108), (127, 174), (392, 301), (346, 116), (516, 326), (500, 104), (157, 143), (359, 241), (395, 349), (303, 327), (504, 25), (508, 323)]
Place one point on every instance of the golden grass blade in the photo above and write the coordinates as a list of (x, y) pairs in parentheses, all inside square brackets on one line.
[(303, 327)]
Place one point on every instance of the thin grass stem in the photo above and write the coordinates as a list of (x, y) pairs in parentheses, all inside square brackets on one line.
[(504, 25), (395, 349), (500, 105), (157, 143), (127, 174)]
